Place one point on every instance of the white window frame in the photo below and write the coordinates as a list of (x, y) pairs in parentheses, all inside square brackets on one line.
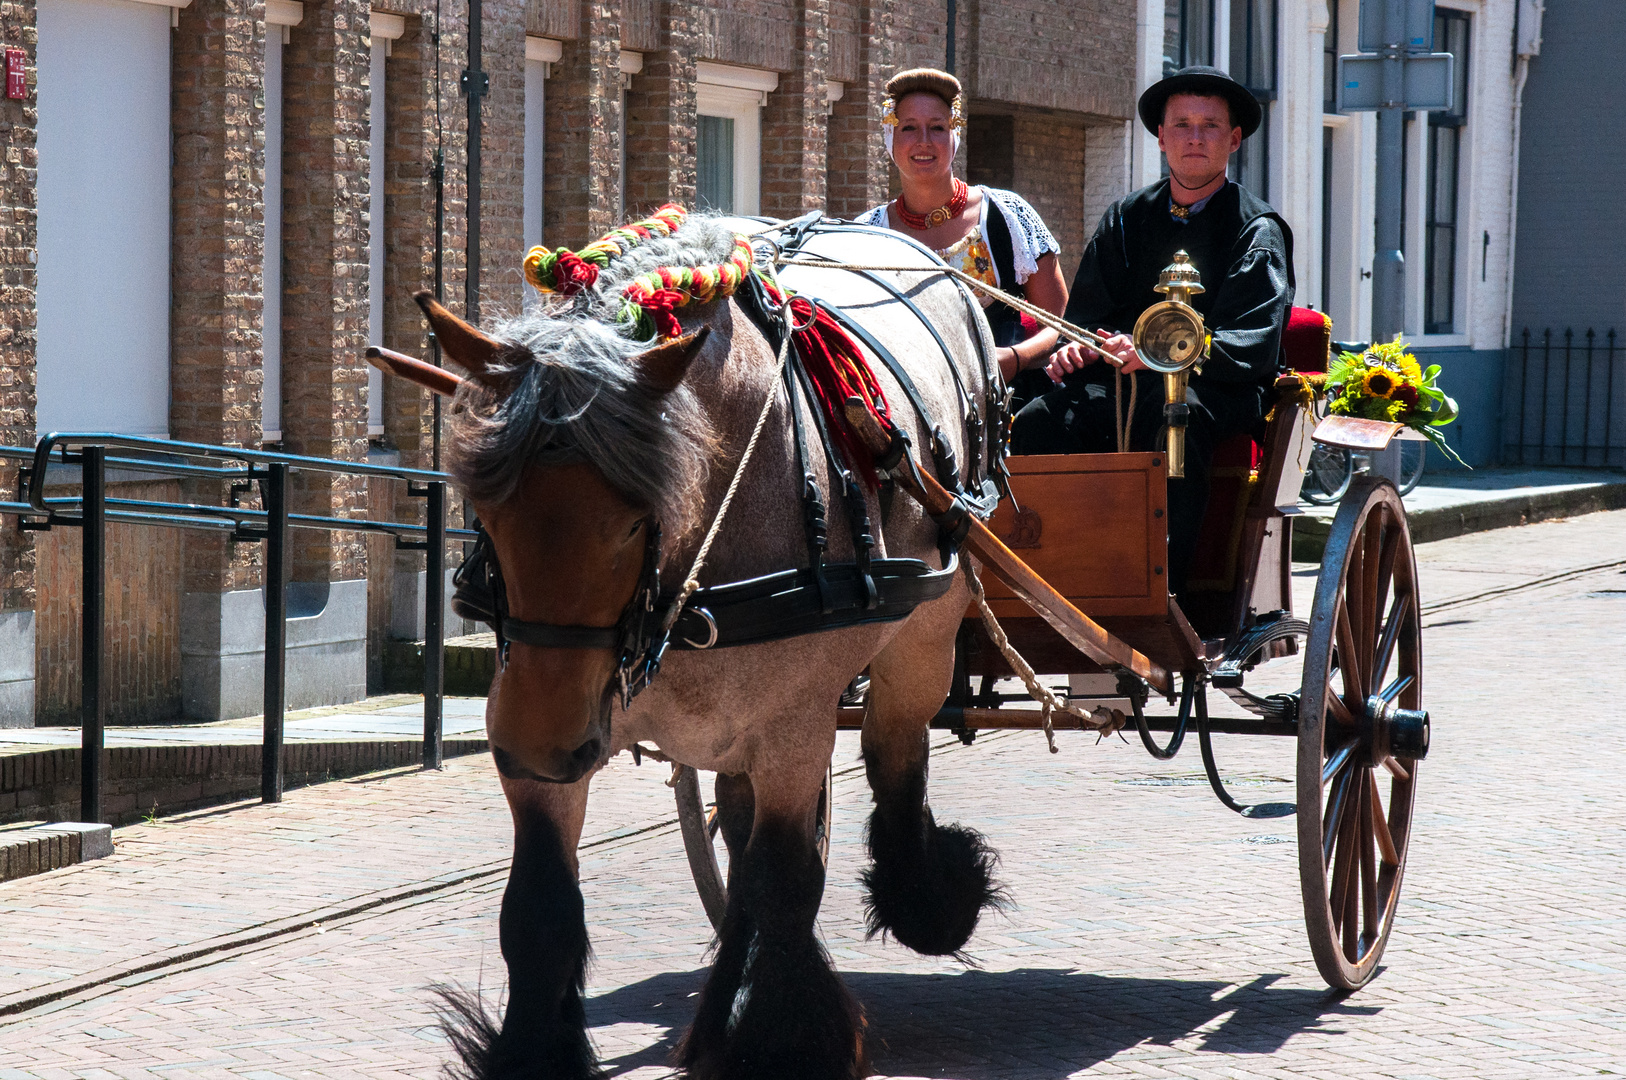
[(738, 94), (540, 56)]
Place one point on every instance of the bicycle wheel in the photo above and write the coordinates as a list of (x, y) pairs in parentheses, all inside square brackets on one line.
[(1413, 456), (1326, 475)]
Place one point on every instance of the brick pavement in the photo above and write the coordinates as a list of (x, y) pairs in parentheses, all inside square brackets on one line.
[(1155, 934)]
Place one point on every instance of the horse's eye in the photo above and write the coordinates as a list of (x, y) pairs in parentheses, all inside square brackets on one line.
[(635, 527)]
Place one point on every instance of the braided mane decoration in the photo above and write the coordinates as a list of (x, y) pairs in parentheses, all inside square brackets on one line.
[(569, 272), (639, 297), (651, 297)]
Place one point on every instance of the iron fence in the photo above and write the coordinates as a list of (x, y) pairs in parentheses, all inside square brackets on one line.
[(241, 471), (1564, 400)]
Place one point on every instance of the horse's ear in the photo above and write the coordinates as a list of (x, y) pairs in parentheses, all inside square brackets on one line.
[(663, 367), (439, 380), (463, 344)]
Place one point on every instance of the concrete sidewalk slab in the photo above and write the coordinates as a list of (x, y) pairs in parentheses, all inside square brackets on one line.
[(1451, 504)]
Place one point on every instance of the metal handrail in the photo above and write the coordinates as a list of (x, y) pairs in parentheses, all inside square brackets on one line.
[(92, 510)]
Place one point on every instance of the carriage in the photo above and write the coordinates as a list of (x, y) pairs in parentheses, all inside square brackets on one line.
[(586, 430), (1093, 526)]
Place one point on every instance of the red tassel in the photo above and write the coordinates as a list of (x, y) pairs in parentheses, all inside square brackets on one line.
[(573, 274), (660, 305)]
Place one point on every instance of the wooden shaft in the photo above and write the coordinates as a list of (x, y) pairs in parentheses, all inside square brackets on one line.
[(391, 362), (1083, 633)]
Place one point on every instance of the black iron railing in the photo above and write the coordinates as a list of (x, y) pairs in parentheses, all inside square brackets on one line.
[(242, 470), (1561, 396)]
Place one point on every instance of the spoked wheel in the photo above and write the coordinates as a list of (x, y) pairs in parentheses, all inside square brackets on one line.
[(1362, 733), (700, 826)]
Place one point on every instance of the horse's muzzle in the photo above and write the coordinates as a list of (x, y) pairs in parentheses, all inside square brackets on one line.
[(568, 770)]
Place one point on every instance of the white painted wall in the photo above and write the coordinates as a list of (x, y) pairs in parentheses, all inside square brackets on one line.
[(375, 236), (271, 334), (104, 218)]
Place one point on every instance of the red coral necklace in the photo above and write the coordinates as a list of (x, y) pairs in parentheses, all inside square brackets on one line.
[(933, 218)]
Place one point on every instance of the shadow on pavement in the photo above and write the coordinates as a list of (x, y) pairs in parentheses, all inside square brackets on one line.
[(1038, 1023)]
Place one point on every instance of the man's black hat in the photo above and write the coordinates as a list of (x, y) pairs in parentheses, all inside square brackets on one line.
[(1209, 82)]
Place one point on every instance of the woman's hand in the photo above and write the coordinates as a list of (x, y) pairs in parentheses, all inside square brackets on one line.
[(1118, 350)]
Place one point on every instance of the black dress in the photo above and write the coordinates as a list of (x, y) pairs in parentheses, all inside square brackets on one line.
[(1244, 252)]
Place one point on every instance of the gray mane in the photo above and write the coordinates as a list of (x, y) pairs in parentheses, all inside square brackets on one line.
[(576, 397)]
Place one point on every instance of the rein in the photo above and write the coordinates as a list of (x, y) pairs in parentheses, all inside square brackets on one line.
[(1066, 329)]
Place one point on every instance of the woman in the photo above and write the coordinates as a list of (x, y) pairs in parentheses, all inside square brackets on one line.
[(989, 233)]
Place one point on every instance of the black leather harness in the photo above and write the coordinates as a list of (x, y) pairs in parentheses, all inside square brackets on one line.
[(789, 603)]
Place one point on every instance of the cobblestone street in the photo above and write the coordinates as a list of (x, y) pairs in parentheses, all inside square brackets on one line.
[(1153, 933)]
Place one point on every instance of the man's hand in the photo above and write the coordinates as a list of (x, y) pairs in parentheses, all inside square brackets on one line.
[(1117, 350)]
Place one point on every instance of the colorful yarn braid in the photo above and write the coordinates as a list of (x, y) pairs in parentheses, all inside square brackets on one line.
[(651, 298), (569, 272)]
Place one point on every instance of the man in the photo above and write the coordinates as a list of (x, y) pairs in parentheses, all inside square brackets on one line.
[(1244, 252)]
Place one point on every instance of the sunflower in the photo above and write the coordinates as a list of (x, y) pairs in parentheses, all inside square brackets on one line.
[(1379, 382)]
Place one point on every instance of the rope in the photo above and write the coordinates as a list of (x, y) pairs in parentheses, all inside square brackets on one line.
[(1102, 720), (1055, 322), (1066, 329), (692, 581)]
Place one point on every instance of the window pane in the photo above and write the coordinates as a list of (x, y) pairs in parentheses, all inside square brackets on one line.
[(1253, 44), (714, 188), (1329, 67), (1188, 34), (1251, 164)]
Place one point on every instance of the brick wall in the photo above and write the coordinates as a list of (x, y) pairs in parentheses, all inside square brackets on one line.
[(661, 115), (857, 165), (18, 240), (141, 671), (793, 124), (324, 313), (502, 158), (1047, 169), (217, 120), (581, 173)]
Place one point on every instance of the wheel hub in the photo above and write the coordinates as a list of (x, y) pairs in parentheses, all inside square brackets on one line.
[(1395, 732)]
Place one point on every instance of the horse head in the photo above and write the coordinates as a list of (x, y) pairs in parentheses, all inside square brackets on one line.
[(577, 448)]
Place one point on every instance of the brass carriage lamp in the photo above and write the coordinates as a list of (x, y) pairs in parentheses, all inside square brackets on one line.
[(1171, 339)]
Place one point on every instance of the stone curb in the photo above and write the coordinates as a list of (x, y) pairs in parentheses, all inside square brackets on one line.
[(1442, 523), (39, 848), (142, 780)]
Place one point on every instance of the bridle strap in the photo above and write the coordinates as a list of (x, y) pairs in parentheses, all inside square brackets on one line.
[(553, 636)]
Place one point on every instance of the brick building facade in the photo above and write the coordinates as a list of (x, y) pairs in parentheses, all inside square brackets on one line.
[(601, 110)]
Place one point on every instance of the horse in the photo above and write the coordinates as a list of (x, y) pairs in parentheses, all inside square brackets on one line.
[(596, 464)]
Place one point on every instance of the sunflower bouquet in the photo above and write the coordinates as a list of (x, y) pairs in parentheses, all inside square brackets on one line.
[(1386, 383)]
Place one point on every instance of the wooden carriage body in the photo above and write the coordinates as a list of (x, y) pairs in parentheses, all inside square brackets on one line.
[(1095, 526)]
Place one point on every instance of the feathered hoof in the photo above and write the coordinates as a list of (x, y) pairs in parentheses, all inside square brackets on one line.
[(486, 1052), (799, 1023), (929, 895)]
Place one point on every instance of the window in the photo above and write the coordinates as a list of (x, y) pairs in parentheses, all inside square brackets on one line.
[(1444, 160), (271, 268), (540, 55), (1326, 215), (1188, 34), (729, 101), (715, 150), (1253, 64), (1329, 61), (102, 304)]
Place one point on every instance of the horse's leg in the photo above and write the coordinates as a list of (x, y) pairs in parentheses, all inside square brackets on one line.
[(928, 883), (543, 932), (773, 1005), (736, 811)]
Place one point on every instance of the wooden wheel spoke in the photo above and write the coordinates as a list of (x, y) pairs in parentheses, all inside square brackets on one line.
[(1372, 545), (1380, 825), (1395, 689), (1396, 770), (1386, 566), (1349, 659), (1369, 870), (1340, 712), (1347, 861), (1334, 820), (1398, 613), (1336, 761)]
